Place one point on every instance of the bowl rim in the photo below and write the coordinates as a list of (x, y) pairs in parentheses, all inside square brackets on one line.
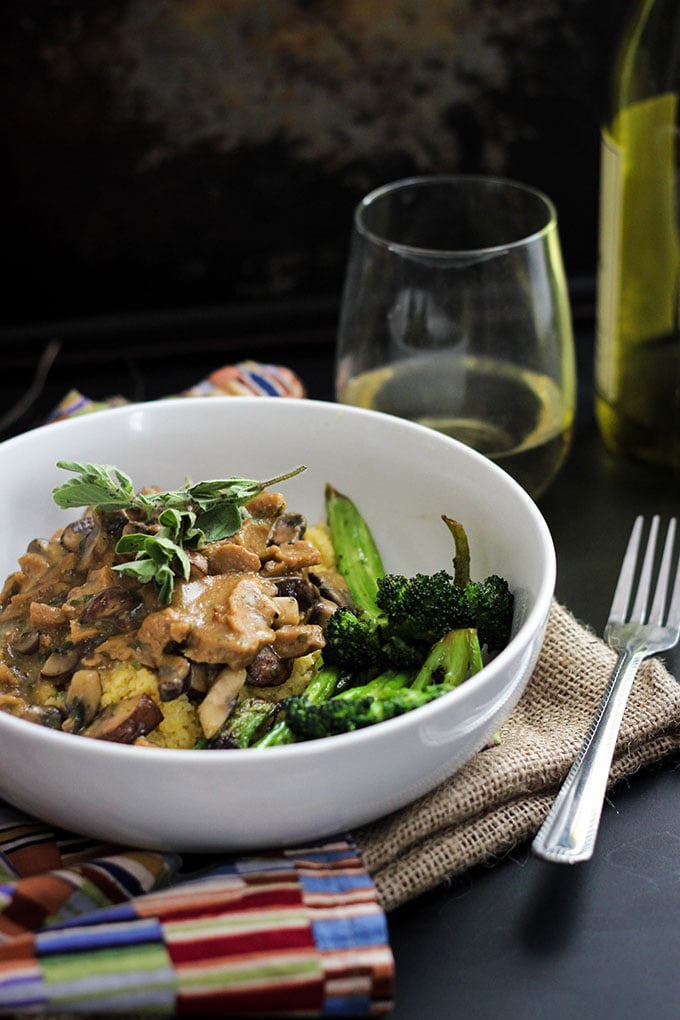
[(535, 620)]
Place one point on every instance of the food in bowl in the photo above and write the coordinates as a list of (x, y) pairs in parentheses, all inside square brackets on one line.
[(403, 476), (213, 617)]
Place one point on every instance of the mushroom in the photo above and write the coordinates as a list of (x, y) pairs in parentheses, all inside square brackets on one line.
[(44, 715), (286, 529), (112, 522), (299, 588), (173, 677), (62, 662), (110, 602), (82, 699), (87, 552), (198, 563), (321, 611), (126, 721), (25, 643), (268, 669), (287, 611), (74, 534), (293, 641), (220, 700), (41, 546), (199, 680), (332, 586)]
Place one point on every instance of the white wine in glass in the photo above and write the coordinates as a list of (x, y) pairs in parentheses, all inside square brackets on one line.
[(455, 315)]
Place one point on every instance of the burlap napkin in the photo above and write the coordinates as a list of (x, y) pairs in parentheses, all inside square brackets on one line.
[(501, 797)]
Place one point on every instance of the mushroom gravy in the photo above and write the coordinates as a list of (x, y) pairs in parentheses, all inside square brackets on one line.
[(249, 617)]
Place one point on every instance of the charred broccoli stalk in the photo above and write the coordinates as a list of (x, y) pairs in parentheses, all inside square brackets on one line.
[(356, 552), (321, 687), (452, 659), (243, 725)]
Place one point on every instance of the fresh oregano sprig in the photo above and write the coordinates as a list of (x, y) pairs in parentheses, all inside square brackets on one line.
[(189, 517)]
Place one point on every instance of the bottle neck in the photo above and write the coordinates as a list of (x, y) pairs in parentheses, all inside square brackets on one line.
[(648, 58)]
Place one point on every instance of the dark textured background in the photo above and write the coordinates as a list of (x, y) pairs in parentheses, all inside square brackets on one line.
[(168, 155)]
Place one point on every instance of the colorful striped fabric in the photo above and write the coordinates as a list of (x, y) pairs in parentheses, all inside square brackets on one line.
[(245, 379), (87, 928)]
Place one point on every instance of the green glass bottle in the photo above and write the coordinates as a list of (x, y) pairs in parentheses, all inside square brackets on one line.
[(637, 362)]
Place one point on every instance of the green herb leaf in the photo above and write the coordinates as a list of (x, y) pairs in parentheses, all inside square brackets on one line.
[(187, 517), (221, 521), (94, 487)]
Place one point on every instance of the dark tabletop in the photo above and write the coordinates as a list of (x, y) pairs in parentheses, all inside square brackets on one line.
[(522, 938), (527, 939)]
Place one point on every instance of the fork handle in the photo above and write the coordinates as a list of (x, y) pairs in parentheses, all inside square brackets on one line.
[(569, 831)]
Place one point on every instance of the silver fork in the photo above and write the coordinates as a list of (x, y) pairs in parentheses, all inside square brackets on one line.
[(570, 829)]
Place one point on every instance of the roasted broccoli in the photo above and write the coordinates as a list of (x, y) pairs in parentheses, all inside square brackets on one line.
[(406, 641), (321, 687), (422, 608), (243, 725), (453, 658), (490, 605), (352, 642)]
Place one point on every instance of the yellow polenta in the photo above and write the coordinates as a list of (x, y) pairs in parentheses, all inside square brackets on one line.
[(180, 727)]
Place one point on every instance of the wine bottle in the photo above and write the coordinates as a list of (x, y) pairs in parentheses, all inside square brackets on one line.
[(637, 361)]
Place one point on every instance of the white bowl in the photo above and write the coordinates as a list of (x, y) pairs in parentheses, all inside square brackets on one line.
[(403, 477)]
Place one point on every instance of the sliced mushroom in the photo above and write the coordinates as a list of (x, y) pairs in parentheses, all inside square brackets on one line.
[(25, 643), (199, 680), (87, 554), (62, 662), (112, 522), (332, 586), (287, 611), (173, 677), (299, 588), (321, 611), (44, 715), (268, 669), (110, 602), (82, 699), (44, 616), (73, 535), (286, 529), (291, 642), (126, 721), (220, 700)]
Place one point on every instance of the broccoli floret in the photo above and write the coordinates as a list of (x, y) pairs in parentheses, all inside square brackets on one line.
[(401, 654), (335, 717), (454, 657), (490, 605), (420, 608), (352, 642)]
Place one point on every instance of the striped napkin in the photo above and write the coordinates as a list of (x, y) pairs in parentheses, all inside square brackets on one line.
[(93, 929)]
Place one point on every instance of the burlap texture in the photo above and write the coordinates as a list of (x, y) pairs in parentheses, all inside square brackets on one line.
[(502, 795)]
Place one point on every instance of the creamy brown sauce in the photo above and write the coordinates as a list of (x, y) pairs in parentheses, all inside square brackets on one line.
[(246, 612)]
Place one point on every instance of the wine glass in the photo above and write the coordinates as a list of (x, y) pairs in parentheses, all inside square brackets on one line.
[(455, 314)]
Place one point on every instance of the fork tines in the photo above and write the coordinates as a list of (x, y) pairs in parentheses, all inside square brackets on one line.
[(624, 585)]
